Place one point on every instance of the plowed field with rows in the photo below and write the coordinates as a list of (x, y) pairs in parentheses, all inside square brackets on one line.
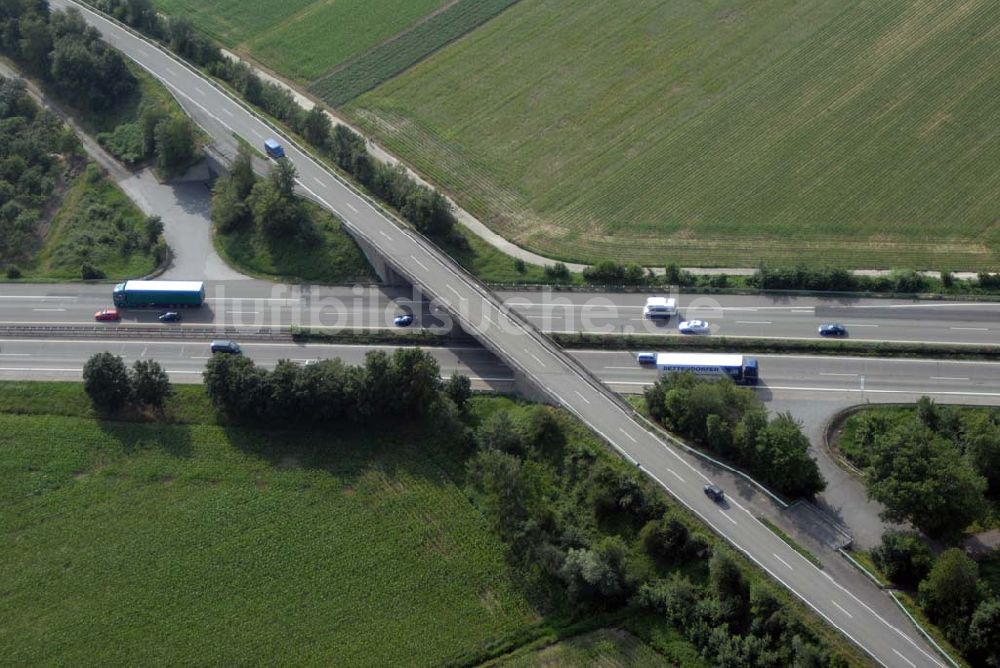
[(717, 132)]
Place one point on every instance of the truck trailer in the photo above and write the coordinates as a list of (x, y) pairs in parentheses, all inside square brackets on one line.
[(742, 370), (136, 294)]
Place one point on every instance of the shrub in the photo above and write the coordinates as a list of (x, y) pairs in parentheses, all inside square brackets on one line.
[(903, 557), (557, 272), (89, 272), (106, 382), (951, 592), (666, 539), (13, 272)]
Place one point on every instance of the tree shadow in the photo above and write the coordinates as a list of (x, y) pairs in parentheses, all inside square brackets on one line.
[(173, 439)]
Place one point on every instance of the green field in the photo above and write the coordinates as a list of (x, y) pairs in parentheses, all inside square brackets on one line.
[(193, 543), (608, 648), (301, 39), (717, 132), (391, 57)]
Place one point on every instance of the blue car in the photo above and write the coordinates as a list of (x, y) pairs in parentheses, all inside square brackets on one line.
[(404, 320), (832, 329), (273, 149), (170, 316)]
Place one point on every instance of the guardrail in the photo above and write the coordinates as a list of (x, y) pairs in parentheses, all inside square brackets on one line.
[(283, 334)]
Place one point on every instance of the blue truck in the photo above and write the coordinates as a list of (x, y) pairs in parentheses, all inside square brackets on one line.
[(273, 148), (136, 294)]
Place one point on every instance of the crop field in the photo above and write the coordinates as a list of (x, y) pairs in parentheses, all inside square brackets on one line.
[(607, 648), (301, 39), (717, 132), (388, 59), (193, 543)]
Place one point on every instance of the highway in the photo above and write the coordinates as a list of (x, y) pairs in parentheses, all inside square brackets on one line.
[(256, 304), (535, 358), (783, 377)]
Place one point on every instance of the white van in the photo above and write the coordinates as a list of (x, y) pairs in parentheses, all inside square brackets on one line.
[(659, 307)]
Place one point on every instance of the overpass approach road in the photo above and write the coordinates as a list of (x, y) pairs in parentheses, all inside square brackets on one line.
[(252, 303), (537, 363)]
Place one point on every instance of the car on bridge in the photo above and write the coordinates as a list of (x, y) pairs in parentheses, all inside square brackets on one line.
[(715, 493), (273, 149), (108, 315), (693, 327)]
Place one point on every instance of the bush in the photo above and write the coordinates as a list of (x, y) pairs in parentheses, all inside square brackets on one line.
[(150, 384), (951, 593), (903, 557), (89, 272), (106, 382), (13, 272), (666, 539), (557, 272)]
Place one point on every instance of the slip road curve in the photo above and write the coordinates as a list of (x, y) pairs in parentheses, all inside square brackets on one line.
[(530, 354)]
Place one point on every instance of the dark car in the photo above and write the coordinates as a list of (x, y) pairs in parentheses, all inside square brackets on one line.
[(226, 346), (832, 329), (404, 320), (170, 316), (715, 493)]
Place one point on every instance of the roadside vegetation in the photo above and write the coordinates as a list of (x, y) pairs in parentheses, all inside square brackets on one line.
[(937, 467), (732, 422), (134, 118), (60, 217), (948, 592), (471, 525), (716, 134), (262, 227)]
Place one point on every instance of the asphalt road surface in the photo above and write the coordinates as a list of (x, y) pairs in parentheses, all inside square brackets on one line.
[(252, 303), (536, 359)]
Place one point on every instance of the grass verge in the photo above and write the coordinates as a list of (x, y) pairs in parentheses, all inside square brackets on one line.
[(775, 346), (97, 225), (780, 533), (334, 257), (417, 337)]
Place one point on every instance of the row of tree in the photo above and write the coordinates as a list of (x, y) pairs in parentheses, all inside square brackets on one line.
[(593, 534), (950, 591), (406, 385), (732, 422), (112, 386), (934, 467), (428, 210)]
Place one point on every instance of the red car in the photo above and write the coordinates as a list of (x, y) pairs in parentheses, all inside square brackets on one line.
[(108, 314)]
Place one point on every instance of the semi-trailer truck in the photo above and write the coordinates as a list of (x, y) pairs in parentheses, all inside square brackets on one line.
[(133, 294), (743, 370)]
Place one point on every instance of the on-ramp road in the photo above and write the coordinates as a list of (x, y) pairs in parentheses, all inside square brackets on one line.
[(537, 359)]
